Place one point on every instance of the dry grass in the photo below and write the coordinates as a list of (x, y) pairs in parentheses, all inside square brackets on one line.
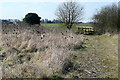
[(39, 52), (28, 52)]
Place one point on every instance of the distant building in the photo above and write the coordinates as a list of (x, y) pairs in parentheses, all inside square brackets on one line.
[(16, 21), (10, 21), (42, 21), (46, 21), (5, 22)]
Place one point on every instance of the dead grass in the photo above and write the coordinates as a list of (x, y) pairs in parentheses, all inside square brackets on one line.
[(39, 52), (29, 54)]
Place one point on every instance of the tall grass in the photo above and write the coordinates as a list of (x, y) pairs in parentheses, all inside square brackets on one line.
[(35, 52)]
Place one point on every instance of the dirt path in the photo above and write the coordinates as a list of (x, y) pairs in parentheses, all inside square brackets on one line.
[(96, 58)]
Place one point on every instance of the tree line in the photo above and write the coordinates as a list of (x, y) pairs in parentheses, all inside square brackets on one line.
[(105, 20), (50, 21)]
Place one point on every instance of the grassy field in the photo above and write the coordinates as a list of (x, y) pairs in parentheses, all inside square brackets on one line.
[(98, 55), (59, 24), (62, 27), (96, 58), (39, 52)]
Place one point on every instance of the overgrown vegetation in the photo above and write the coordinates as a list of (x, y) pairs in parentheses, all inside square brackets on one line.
[(106, 19), (51, 51), (29, 54), (38, 52)]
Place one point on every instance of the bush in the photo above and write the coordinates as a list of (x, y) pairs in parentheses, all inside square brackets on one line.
[(106, 19), (32, 18)]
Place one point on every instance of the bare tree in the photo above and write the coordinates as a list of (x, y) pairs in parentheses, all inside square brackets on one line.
[(69, 13)]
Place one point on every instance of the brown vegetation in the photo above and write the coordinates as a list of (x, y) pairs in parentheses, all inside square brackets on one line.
[(34, 51)]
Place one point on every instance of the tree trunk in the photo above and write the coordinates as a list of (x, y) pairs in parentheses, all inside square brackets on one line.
[(69, 26)]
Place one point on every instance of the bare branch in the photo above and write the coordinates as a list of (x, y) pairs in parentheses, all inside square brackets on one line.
[(69, 13)]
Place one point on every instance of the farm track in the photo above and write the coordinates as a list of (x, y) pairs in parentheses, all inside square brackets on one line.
[(96, 58)]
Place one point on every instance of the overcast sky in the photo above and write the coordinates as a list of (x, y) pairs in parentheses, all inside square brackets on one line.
[(17, 9)]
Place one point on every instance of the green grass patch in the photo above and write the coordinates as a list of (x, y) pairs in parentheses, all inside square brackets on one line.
[(51, 24), (105, 47), (1, 49), (61, 26), (99, 52)]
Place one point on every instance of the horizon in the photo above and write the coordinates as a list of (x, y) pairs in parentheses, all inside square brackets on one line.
[(46, 9)]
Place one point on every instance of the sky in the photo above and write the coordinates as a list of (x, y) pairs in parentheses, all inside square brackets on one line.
[(17, 9)]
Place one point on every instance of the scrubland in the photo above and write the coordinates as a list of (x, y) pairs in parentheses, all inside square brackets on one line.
[(39, 52), (25, 53)]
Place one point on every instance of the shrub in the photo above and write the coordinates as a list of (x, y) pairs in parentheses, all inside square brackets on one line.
[(32, 18), (106, 19)]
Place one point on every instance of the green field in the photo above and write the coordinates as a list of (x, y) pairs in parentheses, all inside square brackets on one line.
[(61, 26)]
